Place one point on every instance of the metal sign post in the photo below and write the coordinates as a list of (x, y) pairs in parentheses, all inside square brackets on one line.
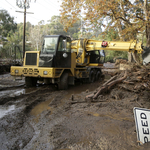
[(142, 121)]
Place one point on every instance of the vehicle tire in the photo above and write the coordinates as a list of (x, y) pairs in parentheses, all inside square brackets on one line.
[(91, 76), (30, 81), (63, 84), (98, 75), (34, 81)]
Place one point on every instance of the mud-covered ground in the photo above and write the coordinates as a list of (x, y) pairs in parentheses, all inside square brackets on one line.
[(43, 118)]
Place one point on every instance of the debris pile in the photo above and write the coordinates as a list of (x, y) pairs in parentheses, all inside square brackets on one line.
[(134, 78), (5, 64), (120, 61)]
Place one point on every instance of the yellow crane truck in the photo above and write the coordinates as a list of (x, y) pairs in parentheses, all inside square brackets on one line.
[(62, 61)]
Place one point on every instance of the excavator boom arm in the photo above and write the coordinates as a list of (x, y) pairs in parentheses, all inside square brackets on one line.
[(83, 47), (131, 46), (92, 45)]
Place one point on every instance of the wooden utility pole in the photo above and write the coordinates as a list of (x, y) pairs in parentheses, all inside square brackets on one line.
[(24, 29), (23, 4)]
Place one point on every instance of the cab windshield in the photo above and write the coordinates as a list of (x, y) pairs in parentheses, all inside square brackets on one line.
[(49, 45)]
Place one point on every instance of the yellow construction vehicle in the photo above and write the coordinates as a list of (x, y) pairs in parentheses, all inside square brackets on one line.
[(62, 61)]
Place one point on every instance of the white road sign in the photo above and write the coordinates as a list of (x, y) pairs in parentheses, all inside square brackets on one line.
[(142, 121)]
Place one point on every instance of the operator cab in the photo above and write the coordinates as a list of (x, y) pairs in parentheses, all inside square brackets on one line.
[(56, 52), (97, 56)]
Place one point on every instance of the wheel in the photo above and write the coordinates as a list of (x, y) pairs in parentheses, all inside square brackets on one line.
[(30, 81), (91, 76), (63, 84), (98, 75), (34, 81)]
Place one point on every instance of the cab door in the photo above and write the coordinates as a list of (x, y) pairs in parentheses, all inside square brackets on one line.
[(63, 53)]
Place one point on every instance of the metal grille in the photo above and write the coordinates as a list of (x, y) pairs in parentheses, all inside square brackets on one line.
[(30, 71), (31, 58)]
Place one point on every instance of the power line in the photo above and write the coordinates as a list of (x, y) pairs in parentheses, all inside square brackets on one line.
[(10, 4), (16, 8), (5, 5), (8, 8), (45, 7), (34, 18), (52, 4)]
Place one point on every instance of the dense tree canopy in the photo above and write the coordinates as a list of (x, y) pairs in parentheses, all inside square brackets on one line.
[(129, 18), (7, 24)]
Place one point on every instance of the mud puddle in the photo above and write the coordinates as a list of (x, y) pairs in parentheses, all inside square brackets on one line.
[(6, 110), (79, 88), (5, 75), (66, 95), (11, 93), (38, 109), (18, 92), (77, 91), (9, 77)]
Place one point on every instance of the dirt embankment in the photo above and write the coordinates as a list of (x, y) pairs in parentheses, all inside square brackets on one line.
[(45, 118)]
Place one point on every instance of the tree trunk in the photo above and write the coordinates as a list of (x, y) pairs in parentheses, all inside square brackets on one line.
[(133, 57), (119, 28), (146, 12), (148, 35), (130, 58)]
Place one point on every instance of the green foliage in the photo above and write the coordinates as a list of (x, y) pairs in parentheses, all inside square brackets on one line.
[(54, 27), (15, 39), (111, 35), (111, 56), (127, 17), (75, 36), (7, 24)]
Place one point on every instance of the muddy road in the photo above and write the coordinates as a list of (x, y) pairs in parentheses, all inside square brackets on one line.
[(43, 118)]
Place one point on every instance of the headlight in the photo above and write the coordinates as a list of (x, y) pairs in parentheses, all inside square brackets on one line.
[(16, 71), (45, 72)]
